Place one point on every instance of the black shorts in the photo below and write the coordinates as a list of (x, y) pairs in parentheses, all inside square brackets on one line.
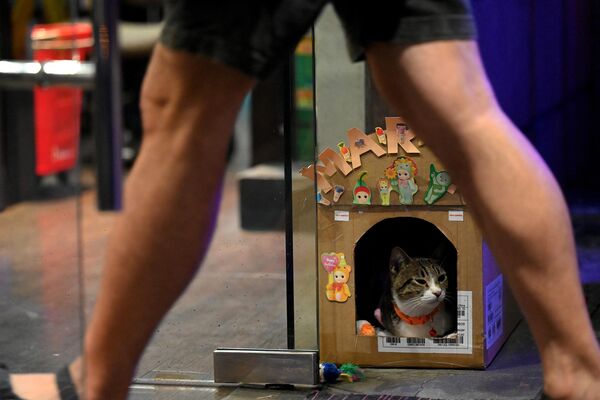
[(253, 36)]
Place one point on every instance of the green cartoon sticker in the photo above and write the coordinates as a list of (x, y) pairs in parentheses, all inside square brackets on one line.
[(362, 193), (438, 185)]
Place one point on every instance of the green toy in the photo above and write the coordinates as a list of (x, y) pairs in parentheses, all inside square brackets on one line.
[(438, 185)]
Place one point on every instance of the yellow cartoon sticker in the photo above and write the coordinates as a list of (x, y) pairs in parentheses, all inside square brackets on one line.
[(339, 274)]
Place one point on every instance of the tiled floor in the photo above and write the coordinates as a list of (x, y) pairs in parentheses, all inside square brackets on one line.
[(236, 300)]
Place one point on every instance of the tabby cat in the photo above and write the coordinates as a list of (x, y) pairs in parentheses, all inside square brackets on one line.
[(413, 303)]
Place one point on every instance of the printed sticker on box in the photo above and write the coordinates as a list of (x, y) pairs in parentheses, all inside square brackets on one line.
[(456, 215), (494, 312), (461, 344), (341, 215)]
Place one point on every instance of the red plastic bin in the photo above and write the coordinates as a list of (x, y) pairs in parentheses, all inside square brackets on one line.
[(57, 109)]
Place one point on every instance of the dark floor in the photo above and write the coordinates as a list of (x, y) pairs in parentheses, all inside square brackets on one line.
[(237, 300)]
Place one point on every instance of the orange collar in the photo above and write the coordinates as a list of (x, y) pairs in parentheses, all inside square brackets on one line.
[(420, 320)]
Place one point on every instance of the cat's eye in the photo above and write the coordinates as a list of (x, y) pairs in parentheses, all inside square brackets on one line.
[(421, 281), (442, 278)]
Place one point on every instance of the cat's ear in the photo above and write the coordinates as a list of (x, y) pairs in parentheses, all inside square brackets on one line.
[(397, 259)]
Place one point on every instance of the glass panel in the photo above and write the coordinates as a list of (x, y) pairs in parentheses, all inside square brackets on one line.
[(41, 130), (340, 91), (304, 205), (40, 325), (238, 298), (333, 74)]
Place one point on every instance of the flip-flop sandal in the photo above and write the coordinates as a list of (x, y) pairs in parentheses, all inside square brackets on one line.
[(6, 392), (64, 383)]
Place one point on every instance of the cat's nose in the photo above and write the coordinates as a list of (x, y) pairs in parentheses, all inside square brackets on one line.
[(437, 293)]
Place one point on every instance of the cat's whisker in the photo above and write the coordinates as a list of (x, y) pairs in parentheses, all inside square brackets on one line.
[(412, 301)]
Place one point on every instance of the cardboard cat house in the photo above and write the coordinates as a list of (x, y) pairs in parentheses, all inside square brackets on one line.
[(384, 190)]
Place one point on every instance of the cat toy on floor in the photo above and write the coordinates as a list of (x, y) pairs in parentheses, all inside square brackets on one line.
[(330, 373)]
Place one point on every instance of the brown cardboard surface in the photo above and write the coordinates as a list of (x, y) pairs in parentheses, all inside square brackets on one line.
[(338, 340)]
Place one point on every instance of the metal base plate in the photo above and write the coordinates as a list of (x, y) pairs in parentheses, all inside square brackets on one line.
[(267, 367)]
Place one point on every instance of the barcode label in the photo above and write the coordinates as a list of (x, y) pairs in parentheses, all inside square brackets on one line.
[(459, 343), (393, 340), (459, 339)]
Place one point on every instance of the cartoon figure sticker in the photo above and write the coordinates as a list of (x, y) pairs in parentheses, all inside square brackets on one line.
[(383, 185), (439, 182), (338, 191), (344, 151), (339, 274), (322, 199), (406, 170), (362, 193), (380, 135)]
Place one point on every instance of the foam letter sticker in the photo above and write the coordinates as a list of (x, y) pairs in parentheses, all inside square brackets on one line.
[(311, 172), (360, 144), (399, 134)]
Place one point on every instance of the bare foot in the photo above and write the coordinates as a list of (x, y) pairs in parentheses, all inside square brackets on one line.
[(583, 390), (43, 386), (573, 383)]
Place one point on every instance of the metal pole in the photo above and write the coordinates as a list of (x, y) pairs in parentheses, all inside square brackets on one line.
[(289, 134), (107, 115)]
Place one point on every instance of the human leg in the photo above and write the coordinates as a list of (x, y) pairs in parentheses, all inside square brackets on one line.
[(189, 105), (442, 91)]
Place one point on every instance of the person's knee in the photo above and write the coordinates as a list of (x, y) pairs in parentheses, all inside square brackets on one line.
[(437, 85), (184, 90)]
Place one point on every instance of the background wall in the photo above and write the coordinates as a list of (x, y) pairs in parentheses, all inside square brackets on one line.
[(542, 58), (339, 83)]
